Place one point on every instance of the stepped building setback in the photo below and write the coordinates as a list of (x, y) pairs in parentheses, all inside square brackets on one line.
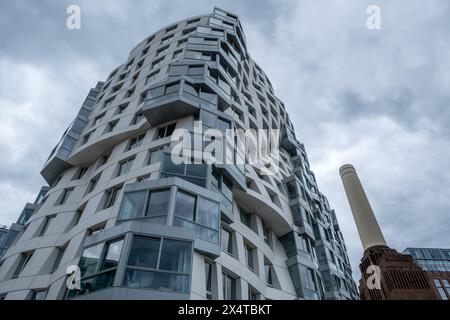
[(140, 226)]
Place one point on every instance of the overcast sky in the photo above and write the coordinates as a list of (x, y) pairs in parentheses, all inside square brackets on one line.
[(376, 98)]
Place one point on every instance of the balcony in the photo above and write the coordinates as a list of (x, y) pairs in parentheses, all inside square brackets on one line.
[(288, 140), (57, 161), (175, 100)]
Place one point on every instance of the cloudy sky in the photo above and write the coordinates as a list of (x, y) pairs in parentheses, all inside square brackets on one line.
[(376, 98)]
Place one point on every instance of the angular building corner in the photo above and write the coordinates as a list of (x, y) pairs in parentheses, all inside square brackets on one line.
[(139, 226)]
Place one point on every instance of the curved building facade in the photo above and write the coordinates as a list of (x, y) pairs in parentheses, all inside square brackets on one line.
[(139, 226)]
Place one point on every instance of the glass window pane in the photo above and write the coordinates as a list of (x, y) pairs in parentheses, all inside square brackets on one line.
[(249, 256), (215, 178), (39, 295), (144, 252), (156, 280), (227, 188), (89, 259), (98, 282), (198, 181), (201, 232), (442, 294), (312, 281), (208, 213), (268, 272), (196, 170), (172, 168), (133, 205), (208, 279), (113, 251), (172, 88), (209, 119), (157, 220), (155, 156), (229, 287), (223, 125), (245, 217), (161, 132), (226, 241), (185, 206), (175, 256), (156, 92), (170, 129), (158, 203)]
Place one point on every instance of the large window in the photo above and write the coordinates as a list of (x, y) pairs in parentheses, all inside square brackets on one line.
[(268, 270), (59, 256), (65, 195), (155, 155), (98, 266), (133, 205), (89, 260), (227, 241), (266, 234), (246, 217), (45, 225), (208, 279), (38, 295), (125, 166), (194, 173), (137, 118), (229, 287), (224, 187), (152, 205), (24, 259), (136, 141), (165, 131), (159, 264), (191, 211), (198, 214), (111, 196), (440, 289), (92, 183), (249, 253), (308, 279)]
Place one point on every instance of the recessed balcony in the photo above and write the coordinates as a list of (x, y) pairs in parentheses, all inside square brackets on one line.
[(175, 100)]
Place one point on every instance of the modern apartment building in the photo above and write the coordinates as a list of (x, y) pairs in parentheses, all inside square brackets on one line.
[(436, 264), (141, 226)]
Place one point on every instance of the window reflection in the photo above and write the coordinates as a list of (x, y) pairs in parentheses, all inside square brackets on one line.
[(171, 272), (155, 209), (144, 252), (112, 255), (98, 265), (89, 259), (191, 211), (197, 214)]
